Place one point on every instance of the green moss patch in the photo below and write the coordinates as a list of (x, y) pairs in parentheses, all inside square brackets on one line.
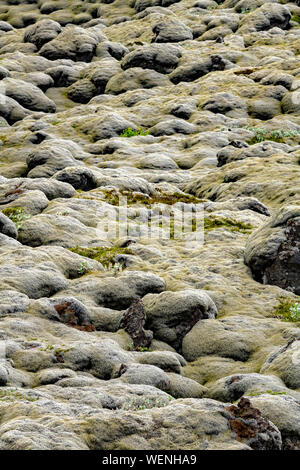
[(105, 255), (288, 310), (215, 223), (137, 198), (268, 392), (232, 225)]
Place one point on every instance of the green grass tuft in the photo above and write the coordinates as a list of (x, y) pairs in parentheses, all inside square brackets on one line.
[(16, 215), (141, 349), (131, 133), (296, 18), (288, 310), (278, 135)]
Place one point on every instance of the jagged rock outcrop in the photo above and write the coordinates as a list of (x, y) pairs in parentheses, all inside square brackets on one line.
[(273, 251)]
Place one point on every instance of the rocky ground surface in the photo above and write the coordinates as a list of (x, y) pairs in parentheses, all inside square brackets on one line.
[(131, 342)]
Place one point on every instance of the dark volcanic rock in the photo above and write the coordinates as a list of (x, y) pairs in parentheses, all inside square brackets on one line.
[(273, 251), (248, 424), (73, 313), (133, 322), (285, 269)]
